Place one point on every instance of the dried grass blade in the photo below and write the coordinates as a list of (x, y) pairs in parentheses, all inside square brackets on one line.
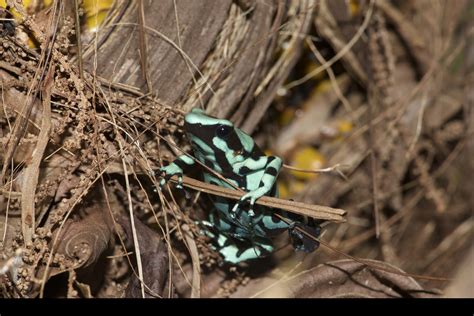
[(31, 175), (193, 250)]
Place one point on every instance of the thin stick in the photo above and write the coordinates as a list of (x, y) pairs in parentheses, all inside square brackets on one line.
[(143, 46), (371, 140), (335, 168), (369, 264), (193, 250), (314, 211), (78, 39), (363, 261)]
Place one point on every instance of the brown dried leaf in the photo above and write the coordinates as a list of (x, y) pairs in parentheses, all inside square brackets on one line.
[(155, 263), (338, 279)]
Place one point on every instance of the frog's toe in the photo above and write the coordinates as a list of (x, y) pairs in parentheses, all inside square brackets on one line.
[(205, 223), (162, 183), (168, 176), (233, 211), (252, 203), (246, 196), (208, 233), (179, 185), (241, 201)]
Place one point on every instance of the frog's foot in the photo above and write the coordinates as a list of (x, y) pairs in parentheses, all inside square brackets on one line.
[(170, 171), (207, 228), (300, 240), (252, 196), (207, 231)]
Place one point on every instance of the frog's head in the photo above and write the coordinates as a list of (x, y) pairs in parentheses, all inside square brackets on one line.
[(210, 135)]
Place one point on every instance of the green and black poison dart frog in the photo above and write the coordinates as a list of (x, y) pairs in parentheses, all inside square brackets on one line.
[(241, 230)]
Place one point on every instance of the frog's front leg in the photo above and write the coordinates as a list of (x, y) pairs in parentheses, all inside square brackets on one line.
[(272, 166), (176, 168)]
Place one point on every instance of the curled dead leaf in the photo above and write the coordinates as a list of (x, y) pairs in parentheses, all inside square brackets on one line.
[(155, 263), (85, 240)]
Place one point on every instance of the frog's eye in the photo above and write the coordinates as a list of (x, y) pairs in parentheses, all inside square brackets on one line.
[(223, 131)]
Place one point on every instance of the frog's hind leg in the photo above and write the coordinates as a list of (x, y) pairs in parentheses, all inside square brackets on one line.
[(235, 245), (234, 251), (300, 240)]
